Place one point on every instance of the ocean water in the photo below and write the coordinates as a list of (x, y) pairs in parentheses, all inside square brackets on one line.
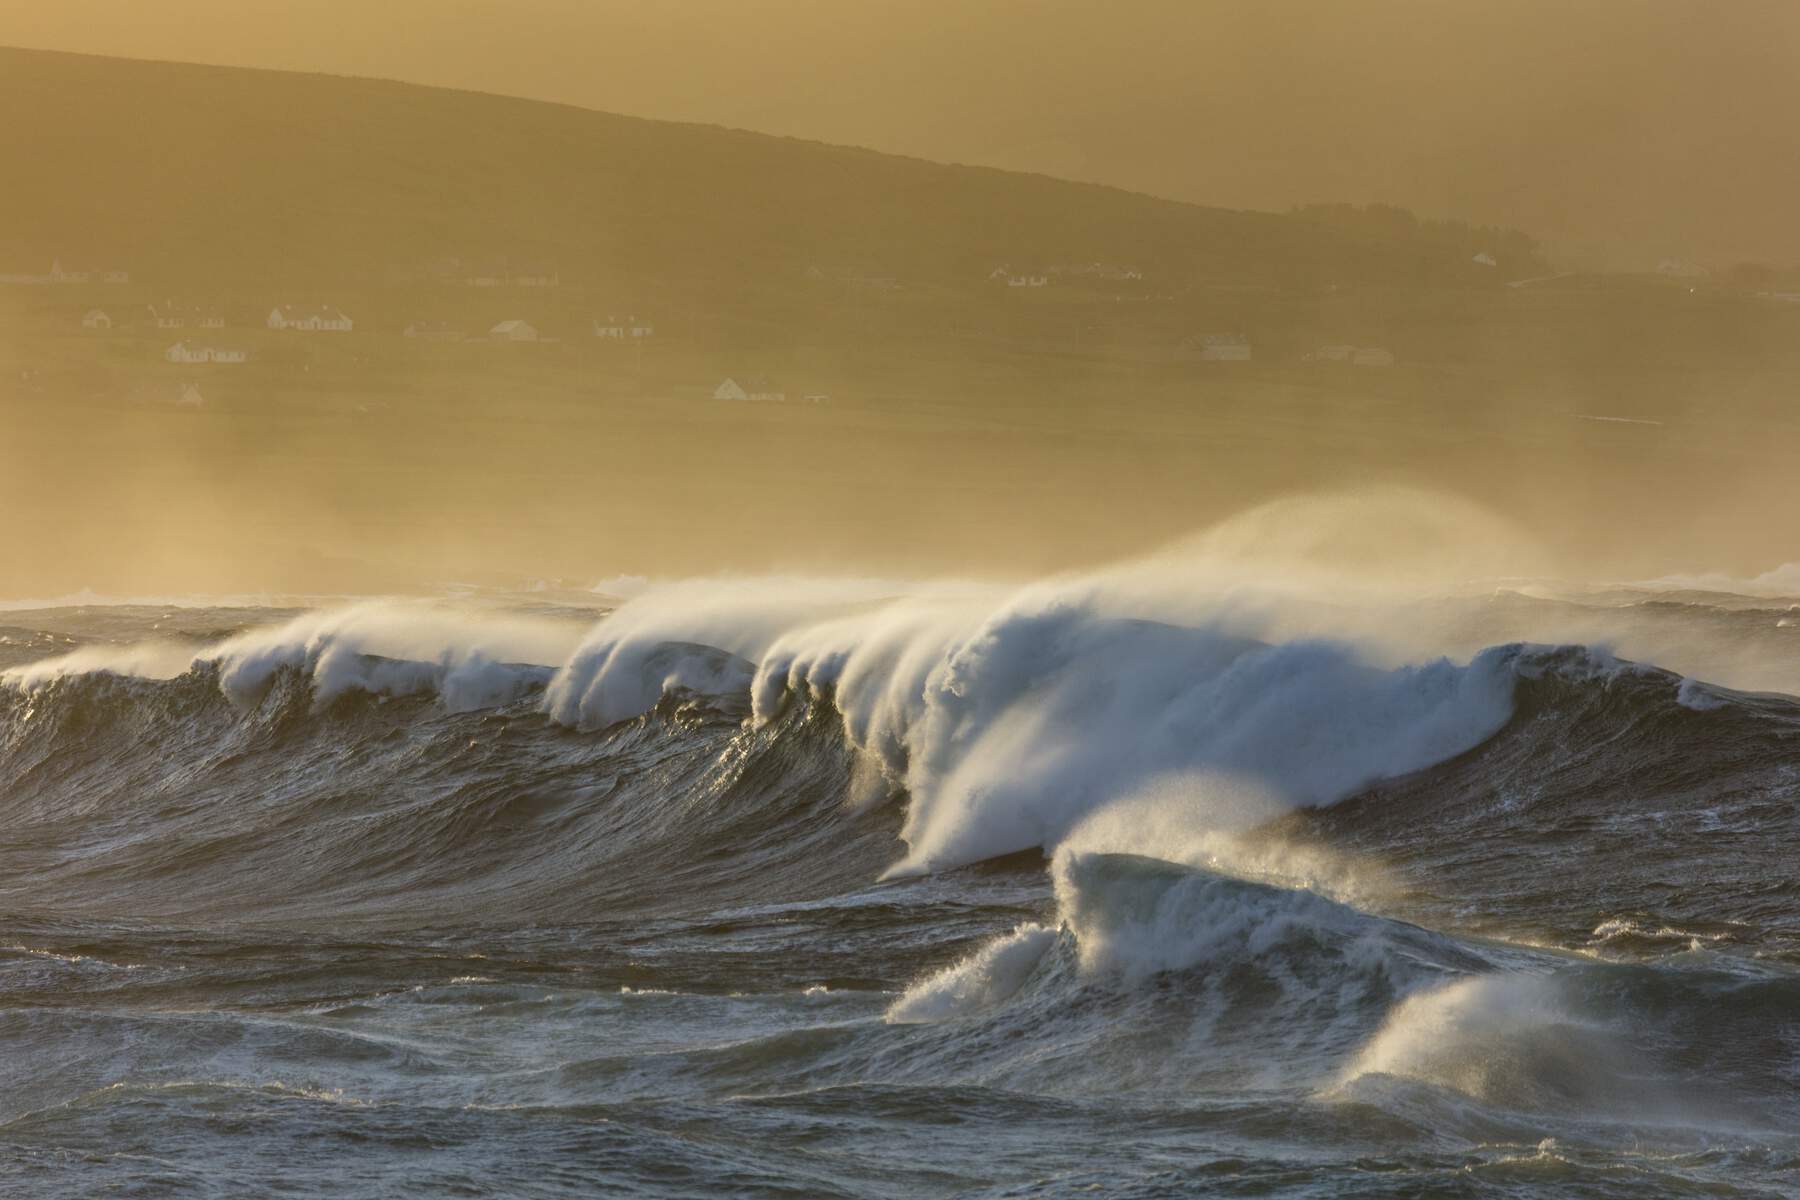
[(1123, 885)]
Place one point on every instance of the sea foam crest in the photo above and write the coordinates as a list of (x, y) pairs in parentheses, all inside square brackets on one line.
[(1009, 729), (398, 648), (1008, 717)]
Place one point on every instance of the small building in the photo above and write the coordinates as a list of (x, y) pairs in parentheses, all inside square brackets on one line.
[(322, 318), (1224, 347), (169, 315), (166, 316), (1484, 259), (97, 319), (435, 331), (58, 273), (1011, 278), (62, 274), (514, 331), (749, 387), (1676, 269), (1356, 356), (623, 328), (190, 353), (620, 329), (189, 397), (536, 275), (486, 275)]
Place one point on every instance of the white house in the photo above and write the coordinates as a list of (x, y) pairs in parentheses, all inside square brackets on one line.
[(1224, 347), (514, 331), (190, 397), (1484, 259), (1028, 281), (1356, 356), (167, 316), (62, 274), (1676, 269), (191, 354), (96, 319), (536, 275), (750, 388), (622, 329), (310, 319)]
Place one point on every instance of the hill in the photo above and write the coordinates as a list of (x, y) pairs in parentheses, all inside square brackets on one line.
[(208, 174)]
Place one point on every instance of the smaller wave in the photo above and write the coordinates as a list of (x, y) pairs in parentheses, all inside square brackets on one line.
[(142, 660), (1506, 1039), (984, 979), (394, 648)]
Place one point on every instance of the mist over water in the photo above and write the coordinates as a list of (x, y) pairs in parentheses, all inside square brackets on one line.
[(1340, 841)]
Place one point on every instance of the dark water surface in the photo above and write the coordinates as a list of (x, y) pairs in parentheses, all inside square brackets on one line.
[(330, 916)]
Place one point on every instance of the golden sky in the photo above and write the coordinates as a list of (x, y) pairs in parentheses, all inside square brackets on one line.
[(1632, 129)]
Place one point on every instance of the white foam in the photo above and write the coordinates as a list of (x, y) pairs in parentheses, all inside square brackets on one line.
[(1270, 657), (142, 660), (1511, 1039), (471, 658), (1695, 695), (984, 979)]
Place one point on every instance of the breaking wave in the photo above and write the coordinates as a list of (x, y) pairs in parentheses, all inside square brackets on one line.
[(1107, 844)]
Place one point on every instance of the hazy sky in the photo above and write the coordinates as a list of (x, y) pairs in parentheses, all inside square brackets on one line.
[(1636, 128)]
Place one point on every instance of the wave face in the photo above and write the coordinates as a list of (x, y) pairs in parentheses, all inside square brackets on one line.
[(851, 888)]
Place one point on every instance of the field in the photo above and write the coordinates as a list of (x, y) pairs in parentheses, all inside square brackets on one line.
[(1077, 422)]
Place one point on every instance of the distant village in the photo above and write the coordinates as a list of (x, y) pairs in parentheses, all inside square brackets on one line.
[(203, 335)]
